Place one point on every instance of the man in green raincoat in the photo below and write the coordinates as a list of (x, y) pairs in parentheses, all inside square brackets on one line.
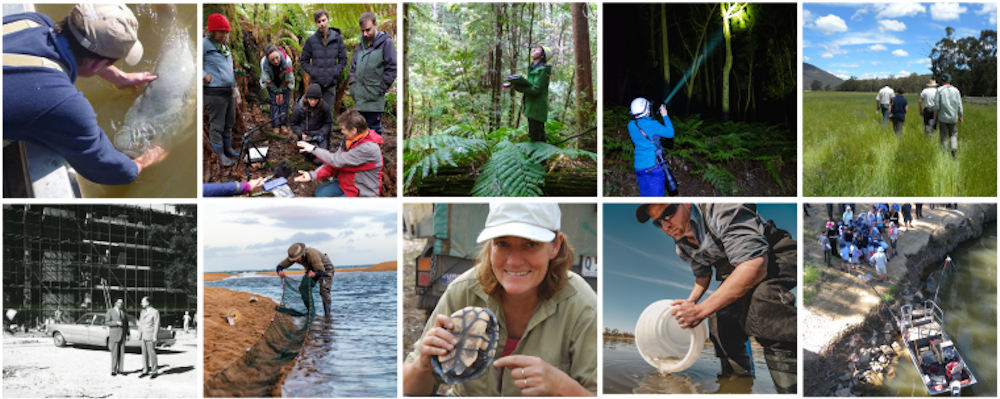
[(373, 69), (536, 92)]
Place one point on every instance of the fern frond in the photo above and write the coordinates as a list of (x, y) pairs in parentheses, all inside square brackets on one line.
[(441, 149), (539, 151), (509, 173)]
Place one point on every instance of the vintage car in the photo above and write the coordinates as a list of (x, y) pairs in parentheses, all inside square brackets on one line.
[(89, 329)]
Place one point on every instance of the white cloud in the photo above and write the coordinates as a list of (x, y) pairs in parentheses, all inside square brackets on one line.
[(903, 74), (807, 17), (923, 60), (891, 25), (830, 24), (896, 10), (877, 47), (947, 11), (842, 76), (839, 71), (876, 62), (900, 53), (806, 58), (857, 14), (870, 37), (989, 9), (827, 55)]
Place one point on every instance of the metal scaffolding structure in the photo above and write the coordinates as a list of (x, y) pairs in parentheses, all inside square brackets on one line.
[(61, 261)]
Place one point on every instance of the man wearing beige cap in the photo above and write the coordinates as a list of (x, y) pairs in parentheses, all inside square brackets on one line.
[(318, 267), (41, 62), (926, 103)]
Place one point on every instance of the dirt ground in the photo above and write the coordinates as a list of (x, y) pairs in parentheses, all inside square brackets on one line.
[(413, 319), (282, 148), (225, 343), (34, 367)]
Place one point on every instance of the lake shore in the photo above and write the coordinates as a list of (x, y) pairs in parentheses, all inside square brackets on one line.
[(381, 267), (225, 343)]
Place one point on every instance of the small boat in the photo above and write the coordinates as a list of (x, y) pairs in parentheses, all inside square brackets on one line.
[(934, 354)]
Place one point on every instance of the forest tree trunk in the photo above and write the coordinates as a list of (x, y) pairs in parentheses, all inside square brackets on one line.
[(585, 76), (666, 46)]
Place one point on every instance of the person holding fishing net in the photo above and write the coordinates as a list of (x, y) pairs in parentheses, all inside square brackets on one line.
[(318, 267)]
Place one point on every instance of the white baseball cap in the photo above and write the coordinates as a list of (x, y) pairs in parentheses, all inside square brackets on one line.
[(536, 222)]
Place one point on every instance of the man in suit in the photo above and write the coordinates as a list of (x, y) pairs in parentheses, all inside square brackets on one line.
[(118, 331), (149, 325)]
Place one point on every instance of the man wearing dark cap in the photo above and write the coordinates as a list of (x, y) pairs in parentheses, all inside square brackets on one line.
[(318, 267), (118, 332), (755, 263), (220, 91), (41, 62), (312, 120), (948, 113)]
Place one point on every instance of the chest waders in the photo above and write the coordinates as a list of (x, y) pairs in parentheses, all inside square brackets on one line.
[(24, 60), (766, 313)]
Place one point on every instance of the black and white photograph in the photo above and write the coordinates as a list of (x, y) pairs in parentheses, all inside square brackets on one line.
[(99, 300)]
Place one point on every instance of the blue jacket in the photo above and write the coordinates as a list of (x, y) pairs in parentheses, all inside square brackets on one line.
[(42, 106), (226, 189), (645, 151), (219, 66)]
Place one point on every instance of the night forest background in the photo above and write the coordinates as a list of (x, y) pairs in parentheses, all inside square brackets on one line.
[(464, 134), (734, 110)]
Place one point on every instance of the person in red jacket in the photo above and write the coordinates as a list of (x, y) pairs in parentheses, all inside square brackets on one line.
[(356, 166)]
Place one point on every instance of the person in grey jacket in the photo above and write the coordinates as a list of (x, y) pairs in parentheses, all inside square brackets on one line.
[(220, 92), (324, 56), (373, 69), (356, 166)]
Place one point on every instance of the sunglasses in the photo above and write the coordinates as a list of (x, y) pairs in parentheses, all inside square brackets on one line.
[(667, 213)]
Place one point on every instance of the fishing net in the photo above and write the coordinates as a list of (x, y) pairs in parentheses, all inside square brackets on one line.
[(260, 370)]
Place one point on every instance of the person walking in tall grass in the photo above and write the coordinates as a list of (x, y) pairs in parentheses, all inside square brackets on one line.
[(926, 104), (898, 108), (948, 113), (883, 99)]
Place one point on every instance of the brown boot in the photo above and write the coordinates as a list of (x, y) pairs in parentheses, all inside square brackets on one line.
[(276, 131), (287, 131)]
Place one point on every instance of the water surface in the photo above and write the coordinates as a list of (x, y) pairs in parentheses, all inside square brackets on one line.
[(352, 353), (625, 371), (969, 301)]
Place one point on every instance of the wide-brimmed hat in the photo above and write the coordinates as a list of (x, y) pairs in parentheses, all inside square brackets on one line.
[(108, 30), (932, 83), (536, 222), (296, 251)]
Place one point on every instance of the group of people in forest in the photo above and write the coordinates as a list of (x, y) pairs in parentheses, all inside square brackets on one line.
[(940, 106), (354, 166)]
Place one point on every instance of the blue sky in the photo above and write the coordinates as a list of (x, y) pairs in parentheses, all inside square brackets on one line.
[(641, 264), (254, 236), (888, 39)]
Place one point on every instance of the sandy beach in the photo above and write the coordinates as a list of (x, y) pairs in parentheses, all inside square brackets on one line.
[(225, 343)]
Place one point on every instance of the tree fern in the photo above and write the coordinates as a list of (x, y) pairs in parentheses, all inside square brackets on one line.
[(440, 150), (510, 172)]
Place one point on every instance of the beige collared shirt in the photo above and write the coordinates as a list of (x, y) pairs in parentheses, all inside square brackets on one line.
[(562, 332)]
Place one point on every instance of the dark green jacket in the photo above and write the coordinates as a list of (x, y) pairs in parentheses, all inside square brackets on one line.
[(373, 69), (536, 93)]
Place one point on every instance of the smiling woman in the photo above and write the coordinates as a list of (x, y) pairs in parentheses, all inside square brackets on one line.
[(547, 314)]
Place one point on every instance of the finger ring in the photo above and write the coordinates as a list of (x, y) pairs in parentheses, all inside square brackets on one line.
[(522, 373), (525, 382)]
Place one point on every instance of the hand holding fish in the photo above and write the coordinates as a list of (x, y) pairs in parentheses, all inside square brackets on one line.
[(150, 158)]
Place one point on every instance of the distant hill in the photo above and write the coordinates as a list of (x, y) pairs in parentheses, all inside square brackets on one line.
[(810, 73)]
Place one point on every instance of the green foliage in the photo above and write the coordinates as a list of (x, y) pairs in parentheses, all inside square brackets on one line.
[(847, 153), (722, 180), (510, 169), (811, 274)]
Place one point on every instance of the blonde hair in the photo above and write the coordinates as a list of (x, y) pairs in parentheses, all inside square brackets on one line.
[(555, 277)]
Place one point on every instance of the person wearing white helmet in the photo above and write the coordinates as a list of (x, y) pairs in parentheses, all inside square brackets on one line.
[(645, 133), (879, 261), (536, 92)]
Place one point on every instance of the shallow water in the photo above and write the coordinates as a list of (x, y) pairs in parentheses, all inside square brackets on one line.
[(176, 176), (353, 352), (969, 301), (625, 371)]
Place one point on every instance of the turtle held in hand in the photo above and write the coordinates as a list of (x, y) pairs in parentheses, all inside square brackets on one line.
[(477, 331)]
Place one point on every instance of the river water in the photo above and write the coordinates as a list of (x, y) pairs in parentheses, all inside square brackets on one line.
[(625, 371), (969, 301), (353, 352), (177, 175)]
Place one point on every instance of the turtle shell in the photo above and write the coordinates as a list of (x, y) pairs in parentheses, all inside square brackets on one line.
[(477, 331)]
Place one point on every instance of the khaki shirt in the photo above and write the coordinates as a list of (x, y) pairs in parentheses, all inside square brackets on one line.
[(312, 260), (562, 332)]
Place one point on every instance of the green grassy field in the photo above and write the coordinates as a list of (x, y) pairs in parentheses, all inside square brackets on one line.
[(846, 153)]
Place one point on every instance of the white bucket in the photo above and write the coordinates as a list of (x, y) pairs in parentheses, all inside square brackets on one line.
[(663, 343)]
